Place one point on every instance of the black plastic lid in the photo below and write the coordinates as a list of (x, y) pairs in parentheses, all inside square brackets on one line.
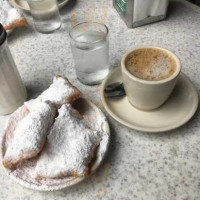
[(3, 34)]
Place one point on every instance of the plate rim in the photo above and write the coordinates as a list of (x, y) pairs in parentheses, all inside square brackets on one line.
[(74, 181), (146, 129), (61, 3)]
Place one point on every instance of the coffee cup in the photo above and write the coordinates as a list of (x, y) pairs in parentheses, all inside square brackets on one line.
[(149, 75)]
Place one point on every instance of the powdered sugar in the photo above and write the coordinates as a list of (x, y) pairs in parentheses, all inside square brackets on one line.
[(8, 14), (11, 125), (58, 92), (69, 148), (25, 174), (90, 133), (30, 134)]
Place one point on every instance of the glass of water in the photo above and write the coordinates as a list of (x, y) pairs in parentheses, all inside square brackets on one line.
[(90, 49), (45, 15)]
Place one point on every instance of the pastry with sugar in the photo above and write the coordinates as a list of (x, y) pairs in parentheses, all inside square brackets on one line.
[(60, 92), (11, 125), (26, 133), (69, 148), (9, 17)]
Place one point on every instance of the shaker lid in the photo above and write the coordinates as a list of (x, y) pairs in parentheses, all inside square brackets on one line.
[(3, 34)]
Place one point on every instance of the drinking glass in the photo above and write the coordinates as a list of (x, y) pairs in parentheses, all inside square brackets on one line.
[(45, 15), (90, 49)]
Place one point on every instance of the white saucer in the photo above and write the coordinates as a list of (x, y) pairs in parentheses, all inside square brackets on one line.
[(25, 175), (178, 109), (24, 7)]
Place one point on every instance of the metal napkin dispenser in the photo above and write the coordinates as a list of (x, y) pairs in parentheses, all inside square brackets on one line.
[(140, 12)]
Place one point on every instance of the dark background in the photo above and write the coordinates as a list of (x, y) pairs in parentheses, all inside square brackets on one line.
[(197, 2)]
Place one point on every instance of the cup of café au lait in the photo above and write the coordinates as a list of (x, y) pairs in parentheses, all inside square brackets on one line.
[(149, 75)]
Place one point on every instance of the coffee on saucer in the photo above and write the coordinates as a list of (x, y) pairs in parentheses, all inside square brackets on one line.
[(151, 64), (149, 76)]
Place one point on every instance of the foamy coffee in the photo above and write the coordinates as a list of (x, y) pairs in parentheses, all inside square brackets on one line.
[(150, 64)]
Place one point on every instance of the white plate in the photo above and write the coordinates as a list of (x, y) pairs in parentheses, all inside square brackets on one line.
[(24, 7), (178, 109), (24, 176)]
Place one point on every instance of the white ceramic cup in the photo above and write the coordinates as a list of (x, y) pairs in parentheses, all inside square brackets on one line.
[(145, 94)]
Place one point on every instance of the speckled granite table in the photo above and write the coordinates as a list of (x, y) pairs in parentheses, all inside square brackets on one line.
[(163, 166)]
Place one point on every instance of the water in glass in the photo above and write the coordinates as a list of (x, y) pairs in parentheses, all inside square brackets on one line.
[(91, 56), (45, 14)]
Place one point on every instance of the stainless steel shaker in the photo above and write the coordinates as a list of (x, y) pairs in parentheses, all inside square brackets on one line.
[(12, 90), (140, 12)]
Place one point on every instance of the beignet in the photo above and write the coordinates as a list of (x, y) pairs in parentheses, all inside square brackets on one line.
[(28, 134), (69, 148)]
